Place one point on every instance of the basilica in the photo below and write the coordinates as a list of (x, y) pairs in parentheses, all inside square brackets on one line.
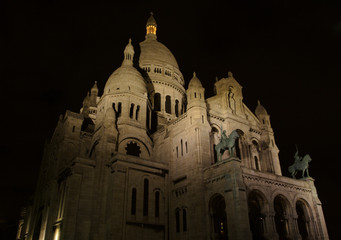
[(148, 159)]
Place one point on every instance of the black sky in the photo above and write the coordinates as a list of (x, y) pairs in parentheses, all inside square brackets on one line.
[(284, 53)]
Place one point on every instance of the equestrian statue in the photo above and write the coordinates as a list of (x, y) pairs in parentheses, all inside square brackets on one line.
[(226, 142), (300, 164)]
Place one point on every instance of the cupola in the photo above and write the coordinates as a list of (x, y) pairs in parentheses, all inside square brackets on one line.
[(151, 27)]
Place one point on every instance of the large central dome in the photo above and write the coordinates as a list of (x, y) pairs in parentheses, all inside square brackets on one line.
[(153, 51), (157, 60)]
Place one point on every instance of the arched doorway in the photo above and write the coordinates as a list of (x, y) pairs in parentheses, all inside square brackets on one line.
[(239, 144), (281, 222), (215, 137), (302, 219), (256, 218), (218, 218)]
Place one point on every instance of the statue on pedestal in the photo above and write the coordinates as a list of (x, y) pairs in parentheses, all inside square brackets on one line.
[(300, 164), (226, 143)]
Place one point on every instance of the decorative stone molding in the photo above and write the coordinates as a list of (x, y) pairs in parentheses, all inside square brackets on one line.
[(272, 182)]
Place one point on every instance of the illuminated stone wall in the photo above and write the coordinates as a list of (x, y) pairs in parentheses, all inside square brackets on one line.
[(121, 170)]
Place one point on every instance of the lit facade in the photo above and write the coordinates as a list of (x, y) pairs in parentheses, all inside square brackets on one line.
[(138, 162)]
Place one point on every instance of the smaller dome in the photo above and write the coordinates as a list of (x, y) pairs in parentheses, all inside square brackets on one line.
[(260, 110), (126, 78), (194, 82)]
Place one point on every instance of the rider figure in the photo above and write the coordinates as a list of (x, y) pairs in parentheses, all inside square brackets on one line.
[(297, 158)]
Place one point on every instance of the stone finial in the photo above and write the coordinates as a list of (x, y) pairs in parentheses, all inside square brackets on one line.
[(230, 74), (216, 79), (194, 74)]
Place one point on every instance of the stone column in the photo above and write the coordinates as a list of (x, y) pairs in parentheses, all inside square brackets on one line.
[(270, 226)]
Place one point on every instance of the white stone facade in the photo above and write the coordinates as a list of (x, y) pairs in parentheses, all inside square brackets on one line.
[(139, 162)]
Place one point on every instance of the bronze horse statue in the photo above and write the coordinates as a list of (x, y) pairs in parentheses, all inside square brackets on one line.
[(227, 143), (300, 165)]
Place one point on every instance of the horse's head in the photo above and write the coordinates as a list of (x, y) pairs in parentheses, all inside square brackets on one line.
[(307, 158), (234, 134)]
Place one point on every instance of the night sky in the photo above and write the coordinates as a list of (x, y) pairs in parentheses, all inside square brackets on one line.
[(284, 53)]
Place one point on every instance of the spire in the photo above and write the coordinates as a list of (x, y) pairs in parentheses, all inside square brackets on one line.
[(128, 54), (94, 94), (151, 27), (94, 89)]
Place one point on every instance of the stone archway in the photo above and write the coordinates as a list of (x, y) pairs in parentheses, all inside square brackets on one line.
[(256, 204), (302, 219), (281, 221), (219, 229)]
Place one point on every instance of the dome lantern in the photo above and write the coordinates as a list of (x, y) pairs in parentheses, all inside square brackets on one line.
[(151, 27), (128, 54)]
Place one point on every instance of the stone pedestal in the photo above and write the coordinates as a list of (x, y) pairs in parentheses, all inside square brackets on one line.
[(236, 201)]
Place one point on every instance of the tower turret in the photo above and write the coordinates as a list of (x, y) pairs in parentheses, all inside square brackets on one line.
[(263, 115), (125, 94), (267, 137), (195, 93)]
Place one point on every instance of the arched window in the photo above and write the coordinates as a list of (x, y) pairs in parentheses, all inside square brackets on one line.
[(119, 109), (177, 108), (215, 156), (133, 201), (302, 220), (184, 220), (177, 220), (256, 219), (257, 163), (202, 119), (131, 110), (255, 152), (281, 221), (157, 102), (182, 148), (145, 197), (148, 118), (168, 104), (157, 204), (137, 112), (218, 215), (186, 147), (195, 95)]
